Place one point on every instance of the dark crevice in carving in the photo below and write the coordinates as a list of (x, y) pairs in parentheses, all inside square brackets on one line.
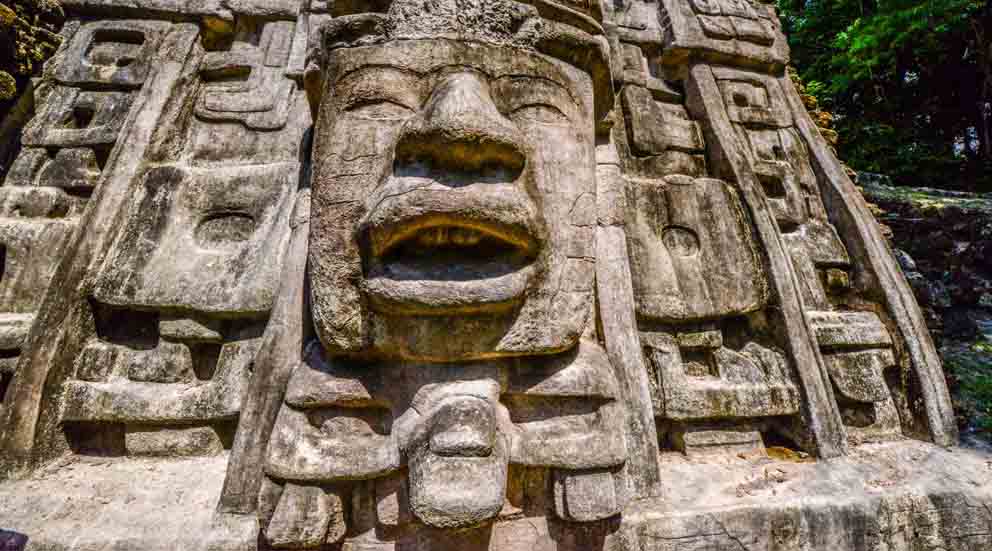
[(772, 185), (79, 118), (855, 414), (531, 409), (205, 358), (133, 328), (5, 380), (95, 439)]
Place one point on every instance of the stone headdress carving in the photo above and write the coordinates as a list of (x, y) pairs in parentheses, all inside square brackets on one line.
[(571, 31)]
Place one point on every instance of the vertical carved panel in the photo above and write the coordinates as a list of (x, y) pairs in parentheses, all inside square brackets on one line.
[(81, 108), (859, 361), (183, 296), (701, 291)]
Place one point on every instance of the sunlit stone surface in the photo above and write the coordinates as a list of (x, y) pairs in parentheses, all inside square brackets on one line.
[(417, 275)]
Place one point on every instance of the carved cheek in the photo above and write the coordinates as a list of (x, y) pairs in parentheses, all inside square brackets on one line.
[(563, 169), (358, 148)]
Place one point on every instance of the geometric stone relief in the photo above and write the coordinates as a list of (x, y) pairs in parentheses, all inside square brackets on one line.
[(856, 364), (449, 274), (678, 228), (858, 353), (742, 32), (117, 54), (662, 138), (176, 308), (166, 369), (78, 121), (735, 20), (220, 222), (715, 388), (246, 83), (715, 383), (247, 104), (72, 117)]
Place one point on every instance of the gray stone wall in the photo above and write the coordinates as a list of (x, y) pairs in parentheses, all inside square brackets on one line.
[(452, 274)]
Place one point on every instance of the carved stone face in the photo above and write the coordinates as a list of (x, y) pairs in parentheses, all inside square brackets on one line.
[(453, 203)]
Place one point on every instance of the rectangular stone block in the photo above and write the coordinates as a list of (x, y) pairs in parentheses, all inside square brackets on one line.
[(171, 441), (71, 117), (655, 127), (737, 32), (849, 330), (705, 442), (111, 53)]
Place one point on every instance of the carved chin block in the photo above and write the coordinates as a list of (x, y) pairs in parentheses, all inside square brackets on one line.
[(457, 492), (458, 465)]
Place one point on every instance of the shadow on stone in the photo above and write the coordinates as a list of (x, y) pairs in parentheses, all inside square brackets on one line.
[(12, 541)]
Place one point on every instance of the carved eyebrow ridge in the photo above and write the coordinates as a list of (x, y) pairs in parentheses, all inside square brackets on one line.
[(418, 74), (382, 66), (553, 82)]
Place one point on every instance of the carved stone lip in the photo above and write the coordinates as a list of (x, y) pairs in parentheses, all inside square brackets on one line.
[(432, 249), (406, 206)]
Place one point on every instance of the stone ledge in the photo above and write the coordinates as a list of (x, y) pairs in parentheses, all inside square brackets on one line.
[(102, 504), (899, 496)]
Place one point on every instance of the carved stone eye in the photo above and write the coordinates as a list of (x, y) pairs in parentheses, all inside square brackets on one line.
[(224, 229), (540, 112), (381, 110)]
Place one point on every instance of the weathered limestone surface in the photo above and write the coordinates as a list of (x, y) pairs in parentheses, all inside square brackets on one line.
[(893, 496), (413, 275)]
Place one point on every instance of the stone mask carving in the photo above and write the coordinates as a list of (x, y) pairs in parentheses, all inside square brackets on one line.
[(451, 247), (527, 275), (453, 202)]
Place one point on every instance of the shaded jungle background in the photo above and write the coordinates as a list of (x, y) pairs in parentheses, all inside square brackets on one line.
[(901, 88)]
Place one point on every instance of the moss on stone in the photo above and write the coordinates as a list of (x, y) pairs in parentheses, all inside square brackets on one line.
[(8, 86)]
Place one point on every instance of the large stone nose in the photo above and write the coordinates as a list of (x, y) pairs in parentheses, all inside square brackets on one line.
[(462, 130)]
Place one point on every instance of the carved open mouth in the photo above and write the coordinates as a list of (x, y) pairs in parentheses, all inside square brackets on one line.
[(439, 260)]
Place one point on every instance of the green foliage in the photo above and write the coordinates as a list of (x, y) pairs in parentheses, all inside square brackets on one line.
[(28, 36), (904, 78), (969, 370)]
